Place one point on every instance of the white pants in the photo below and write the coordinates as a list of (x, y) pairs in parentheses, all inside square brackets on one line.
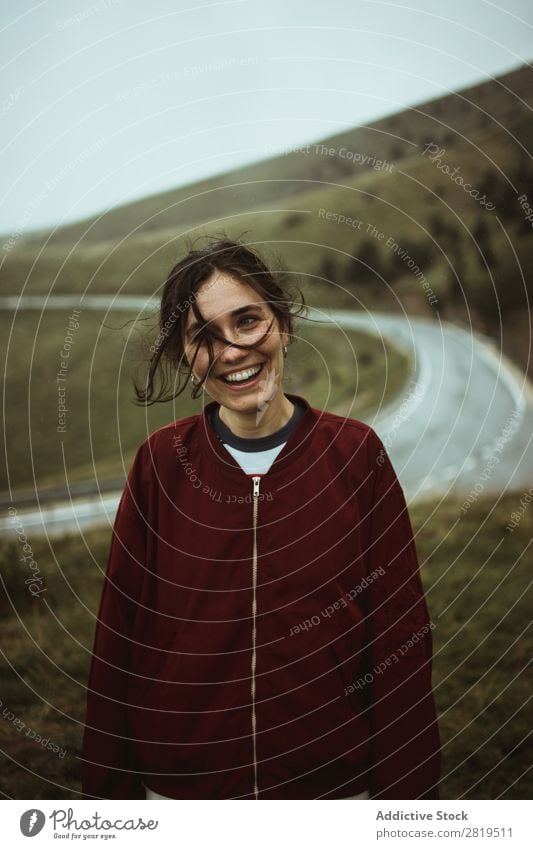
[(151, 794)]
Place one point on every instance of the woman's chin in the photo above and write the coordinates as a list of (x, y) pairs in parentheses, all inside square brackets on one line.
[(245, 403)]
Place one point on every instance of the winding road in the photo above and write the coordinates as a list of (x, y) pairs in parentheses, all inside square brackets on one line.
[(463, 424)]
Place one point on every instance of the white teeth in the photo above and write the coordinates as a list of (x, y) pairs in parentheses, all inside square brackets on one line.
[(238, 376)]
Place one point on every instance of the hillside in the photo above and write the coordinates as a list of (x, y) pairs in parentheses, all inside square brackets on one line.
[(412, 239), (447, 121)]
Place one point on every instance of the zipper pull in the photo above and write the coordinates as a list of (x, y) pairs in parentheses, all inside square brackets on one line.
[(257, 480)]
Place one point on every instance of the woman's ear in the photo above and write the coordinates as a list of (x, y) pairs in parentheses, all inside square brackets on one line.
[(282, 326)]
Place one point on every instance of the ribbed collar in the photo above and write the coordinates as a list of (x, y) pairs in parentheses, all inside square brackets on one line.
[(258, 443), (298, 443)]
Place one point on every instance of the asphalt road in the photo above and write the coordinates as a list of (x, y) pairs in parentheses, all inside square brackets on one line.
[(465, 419), (462, 425)]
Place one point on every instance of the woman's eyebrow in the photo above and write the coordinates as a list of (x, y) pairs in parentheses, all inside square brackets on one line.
[(195, 325)]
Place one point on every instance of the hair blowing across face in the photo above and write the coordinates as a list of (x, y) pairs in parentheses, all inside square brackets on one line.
[(179, 296)]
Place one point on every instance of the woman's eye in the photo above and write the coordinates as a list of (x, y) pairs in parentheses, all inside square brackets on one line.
[(243, 322), (251, 318)]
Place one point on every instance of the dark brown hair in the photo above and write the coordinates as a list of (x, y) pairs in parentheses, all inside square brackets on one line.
[(179, 295)]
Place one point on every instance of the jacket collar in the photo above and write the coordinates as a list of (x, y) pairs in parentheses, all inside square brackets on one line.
[(297, 445)]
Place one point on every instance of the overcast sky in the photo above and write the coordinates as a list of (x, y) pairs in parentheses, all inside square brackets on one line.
[(107, 101)]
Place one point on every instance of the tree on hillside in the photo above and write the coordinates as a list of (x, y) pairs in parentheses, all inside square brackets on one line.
[(481, 235), (365, 264), (396, 151), (506, 200), (327, 269), (292, 219)]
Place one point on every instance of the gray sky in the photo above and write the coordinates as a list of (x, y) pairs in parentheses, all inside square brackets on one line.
[(107, 101)]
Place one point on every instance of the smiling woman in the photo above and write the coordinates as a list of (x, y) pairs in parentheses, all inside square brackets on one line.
[(263, 631), (194, 300), (245, 362)]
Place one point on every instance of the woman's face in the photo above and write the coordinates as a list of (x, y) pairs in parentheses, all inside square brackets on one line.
[(231, 307)]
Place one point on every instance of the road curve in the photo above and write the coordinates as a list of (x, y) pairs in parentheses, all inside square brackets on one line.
[(464, 421), (463, 424)]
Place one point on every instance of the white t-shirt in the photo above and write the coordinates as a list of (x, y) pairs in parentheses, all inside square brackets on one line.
[(255, 462)]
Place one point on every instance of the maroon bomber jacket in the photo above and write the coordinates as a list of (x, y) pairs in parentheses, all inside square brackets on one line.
[(262, 636)]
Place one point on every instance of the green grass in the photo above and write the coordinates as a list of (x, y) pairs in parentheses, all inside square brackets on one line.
[(326, 365), (476, 578), (478, 581)]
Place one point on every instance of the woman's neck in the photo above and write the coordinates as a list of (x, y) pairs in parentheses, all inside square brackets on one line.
[(260, 421)]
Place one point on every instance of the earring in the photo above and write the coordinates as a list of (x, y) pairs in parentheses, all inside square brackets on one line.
[(194, 379), (284, 350)]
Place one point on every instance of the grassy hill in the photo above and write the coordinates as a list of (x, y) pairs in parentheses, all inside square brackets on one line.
[(460, 117), (473, 259), (391, 231)]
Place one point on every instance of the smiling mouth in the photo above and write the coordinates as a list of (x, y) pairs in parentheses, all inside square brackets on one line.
[(244, 376)]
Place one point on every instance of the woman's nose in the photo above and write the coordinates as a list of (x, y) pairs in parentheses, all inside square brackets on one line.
[(230, 353)]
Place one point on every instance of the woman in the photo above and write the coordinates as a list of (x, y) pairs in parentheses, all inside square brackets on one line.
[(263, 631)]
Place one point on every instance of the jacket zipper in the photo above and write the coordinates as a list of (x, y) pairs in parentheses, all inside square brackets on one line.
[(256, 482)]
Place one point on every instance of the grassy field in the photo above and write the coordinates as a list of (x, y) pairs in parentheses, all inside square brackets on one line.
[(328, 366), (476, 577)]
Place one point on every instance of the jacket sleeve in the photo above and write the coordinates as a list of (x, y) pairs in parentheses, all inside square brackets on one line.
[(404, 741), (108, 769)]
